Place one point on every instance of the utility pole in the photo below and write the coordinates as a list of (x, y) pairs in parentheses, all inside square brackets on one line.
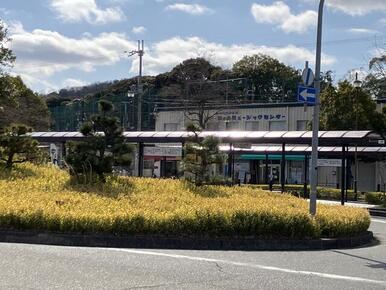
[(139, 156), (140, 51)]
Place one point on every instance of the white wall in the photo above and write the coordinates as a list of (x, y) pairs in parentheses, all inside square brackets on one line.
[(268, 118)]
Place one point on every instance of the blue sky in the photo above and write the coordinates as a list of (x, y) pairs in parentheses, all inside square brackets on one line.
[(61, 43)]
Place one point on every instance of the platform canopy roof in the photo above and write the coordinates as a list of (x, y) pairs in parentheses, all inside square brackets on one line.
[(306, 150), (326, 138)]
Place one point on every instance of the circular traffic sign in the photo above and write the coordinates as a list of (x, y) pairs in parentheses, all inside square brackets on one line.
[(308, 77)]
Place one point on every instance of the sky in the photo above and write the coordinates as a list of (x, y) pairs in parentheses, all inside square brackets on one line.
[(67, 43)]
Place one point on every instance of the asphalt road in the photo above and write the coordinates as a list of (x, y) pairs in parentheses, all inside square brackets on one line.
[(51, 267)]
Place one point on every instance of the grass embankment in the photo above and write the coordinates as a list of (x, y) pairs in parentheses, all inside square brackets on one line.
[(43, 198)]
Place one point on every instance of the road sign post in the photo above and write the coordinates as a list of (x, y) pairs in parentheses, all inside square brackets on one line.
[(315, 121)]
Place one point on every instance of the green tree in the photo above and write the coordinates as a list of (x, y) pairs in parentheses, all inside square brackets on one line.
[(6, 55), (200, 155), (375, 81), (192, 86), (22, 105), (18, 104), (7, 58), (16, 147), (103, 148), (348, 108), (272, 80)]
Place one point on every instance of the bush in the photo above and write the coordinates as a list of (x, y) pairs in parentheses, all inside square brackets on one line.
[(378, 198), (37, 197), (322, 192)]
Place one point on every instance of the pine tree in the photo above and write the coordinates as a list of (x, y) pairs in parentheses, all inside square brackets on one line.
[(16, 146), (200, 155), (103, 147)]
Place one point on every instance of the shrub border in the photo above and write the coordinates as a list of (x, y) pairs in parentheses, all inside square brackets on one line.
[(182, 242)]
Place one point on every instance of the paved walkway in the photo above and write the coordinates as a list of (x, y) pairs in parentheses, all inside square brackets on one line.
[(350, 203)]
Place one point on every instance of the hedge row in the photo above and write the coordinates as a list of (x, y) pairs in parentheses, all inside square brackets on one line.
[(378, 198), (322, 192)]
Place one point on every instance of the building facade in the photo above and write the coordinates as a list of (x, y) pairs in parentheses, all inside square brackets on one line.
[(280, 117), (256, 166)]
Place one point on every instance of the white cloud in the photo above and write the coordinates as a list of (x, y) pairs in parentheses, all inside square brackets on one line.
[(138, 29), (168, 53), (34, 82), (44, 52), (351, 74), (358, 7), (85, 10), (280, 14), (193, 9), (362, 31), (73, 83), (383, 21)]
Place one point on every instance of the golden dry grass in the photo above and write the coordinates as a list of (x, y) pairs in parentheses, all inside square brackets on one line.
[(43, 198)]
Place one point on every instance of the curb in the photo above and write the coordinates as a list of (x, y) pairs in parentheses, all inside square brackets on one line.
[(377, 212), (182, 242)]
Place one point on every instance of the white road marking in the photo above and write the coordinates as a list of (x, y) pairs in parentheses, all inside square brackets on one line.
[(257, 266), (378, 221)]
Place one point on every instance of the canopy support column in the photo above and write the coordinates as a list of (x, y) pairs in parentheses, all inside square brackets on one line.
[(305, 184), (140, 159), (343, 175), (282, 169), (266, 169), (230, 161)]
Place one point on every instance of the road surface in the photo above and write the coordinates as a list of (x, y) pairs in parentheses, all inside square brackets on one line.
[(51, 267)]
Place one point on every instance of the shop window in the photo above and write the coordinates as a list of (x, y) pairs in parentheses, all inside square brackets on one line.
[(277, 126), (170, 126), (251, 126)]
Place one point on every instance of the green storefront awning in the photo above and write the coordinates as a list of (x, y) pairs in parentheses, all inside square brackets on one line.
[(271, 157)]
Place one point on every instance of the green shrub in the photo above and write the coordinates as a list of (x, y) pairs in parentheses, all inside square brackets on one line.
[(378, 198), (322, 192)]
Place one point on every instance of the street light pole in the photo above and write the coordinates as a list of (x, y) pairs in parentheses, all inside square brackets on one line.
[(315, 122), (357, 85)]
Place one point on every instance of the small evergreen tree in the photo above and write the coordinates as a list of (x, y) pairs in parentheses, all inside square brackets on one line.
[(103, 147), (16, 146), (200, 155)]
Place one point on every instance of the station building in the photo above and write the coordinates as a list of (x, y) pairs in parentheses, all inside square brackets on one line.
[(254, 162), (252, 137)]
